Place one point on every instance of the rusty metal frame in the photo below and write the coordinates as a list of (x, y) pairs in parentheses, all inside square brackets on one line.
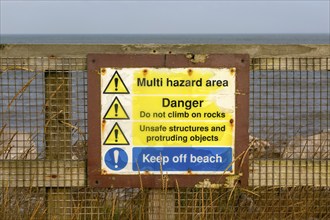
[(97, 61)]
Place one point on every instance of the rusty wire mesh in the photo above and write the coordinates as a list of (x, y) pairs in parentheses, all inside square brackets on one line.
[(43, 122)]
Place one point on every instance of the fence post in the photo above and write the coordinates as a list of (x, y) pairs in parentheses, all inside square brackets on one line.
[(161, 204), (57, 137)]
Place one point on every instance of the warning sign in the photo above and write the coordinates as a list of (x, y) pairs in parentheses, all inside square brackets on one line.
[(184, 81), (182, 159), (116, 137), (172, 114), (116, 111), (220, 107), (183, 134), (116, 85), (171, 109)]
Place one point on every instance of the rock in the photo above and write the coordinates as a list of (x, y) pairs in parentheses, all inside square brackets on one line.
[(246, 203), (258, 148), (315, 146), (79, 150), (16, 145)]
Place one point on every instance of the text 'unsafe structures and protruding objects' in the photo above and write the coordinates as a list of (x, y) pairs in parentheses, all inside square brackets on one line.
[(173, 120)]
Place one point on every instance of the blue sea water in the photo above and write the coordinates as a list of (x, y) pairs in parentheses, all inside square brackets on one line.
[(168, 39)]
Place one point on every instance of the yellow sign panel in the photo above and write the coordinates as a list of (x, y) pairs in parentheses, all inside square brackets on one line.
[(182, 133), (116, 85), (183, 81), (183, 107), (116, 137), (116, 111)]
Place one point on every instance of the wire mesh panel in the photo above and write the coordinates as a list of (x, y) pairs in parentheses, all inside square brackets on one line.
[(289, 135), (43, 138)]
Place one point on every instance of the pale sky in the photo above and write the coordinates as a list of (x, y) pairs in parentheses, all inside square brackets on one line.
[(164, 17)]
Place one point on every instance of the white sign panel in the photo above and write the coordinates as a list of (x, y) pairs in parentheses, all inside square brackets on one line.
[(169, 120)]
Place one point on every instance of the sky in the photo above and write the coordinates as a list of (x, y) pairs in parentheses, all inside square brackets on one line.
[(164, 17)]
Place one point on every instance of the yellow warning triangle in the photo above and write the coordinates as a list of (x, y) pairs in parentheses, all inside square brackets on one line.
[(116, 111), (116, 137), (116, 85)]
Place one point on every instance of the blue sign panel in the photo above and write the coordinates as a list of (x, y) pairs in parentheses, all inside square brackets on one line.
[(182, 158), (116, 159)]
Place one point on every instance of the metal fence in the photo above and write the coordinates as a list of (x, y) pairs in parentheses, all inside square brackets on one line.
[(43, 138)]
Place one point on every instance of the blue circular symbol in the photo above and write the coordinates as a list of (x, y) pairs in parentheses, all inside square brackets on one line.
[(116, 158)]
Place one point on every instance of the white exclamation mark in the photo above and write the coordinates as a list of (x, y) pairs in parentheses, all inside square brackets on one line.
[(116, 157)]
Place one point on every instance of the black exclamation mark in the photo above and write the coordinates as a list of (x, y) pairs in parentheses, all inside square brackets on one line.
[(116, 84), (116, 109), (116, 135)]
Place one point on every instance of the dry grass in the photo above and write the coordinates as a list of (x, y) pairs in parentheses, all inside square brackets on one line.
[(22, 203), (187, 203), (21, 91), (279, 203), (192, 203)]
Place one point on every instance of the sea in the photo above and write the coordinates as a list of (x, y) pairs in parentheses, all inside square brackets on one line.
[(282, 104), (168, 39)]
